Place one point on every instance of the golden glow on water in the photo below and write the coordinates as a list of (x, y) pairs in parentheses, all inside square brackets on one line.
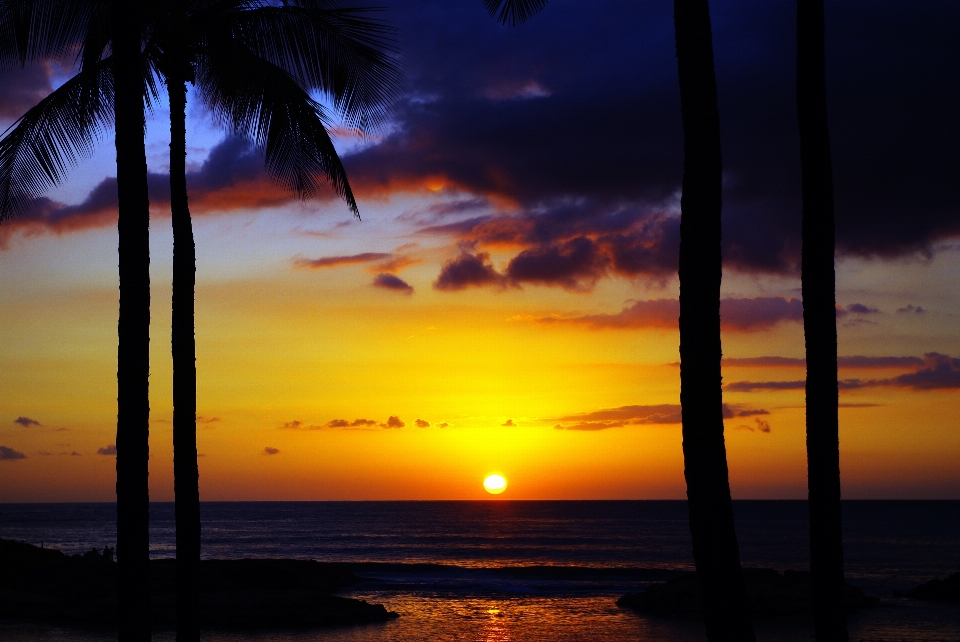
[(495, 484)]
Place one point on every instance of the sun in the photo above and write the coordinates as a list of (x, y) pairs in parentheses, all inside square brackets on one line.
[(495, 484)]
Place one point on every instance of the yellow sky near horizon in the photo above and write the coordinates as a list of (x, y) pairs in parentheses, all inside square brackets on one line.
[(282, 352)]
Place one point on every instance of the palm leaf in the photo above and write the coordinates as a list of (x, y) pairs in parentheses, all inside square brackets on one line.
[(344, 53), (32, 30), (262, 102), (513, 12), (38, 149)]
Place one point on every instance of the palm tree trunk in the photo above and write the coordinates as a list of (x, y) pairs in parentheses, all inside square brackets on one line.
[(715, 551), (818, 281), (185, 473), (133, 328)]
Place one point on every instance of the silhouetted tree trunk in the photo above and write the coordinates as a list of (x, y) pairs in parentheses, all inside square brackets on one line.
[(715, 551), (818, 280), (133, 354), (185, 474)]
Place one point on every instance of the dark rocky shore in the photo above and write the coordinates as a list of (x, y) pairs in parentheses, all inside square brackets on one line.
[(46, 585), (771, 595), (945, 590)]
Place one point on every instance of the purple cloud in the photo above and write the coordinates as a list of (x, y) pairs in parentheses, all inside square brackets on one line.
[(110, 450), (467, 270), (9, 454), (392, 282), (26, 422)]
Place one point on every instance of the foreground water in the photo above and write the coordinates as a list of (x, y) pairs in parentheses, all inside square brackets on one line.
[(530, 571)]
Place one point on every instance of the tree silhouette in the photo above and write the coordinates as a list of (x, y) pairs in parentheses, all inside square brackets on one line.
[(252, 64), (715, 550), (818, 283), (35, 154)]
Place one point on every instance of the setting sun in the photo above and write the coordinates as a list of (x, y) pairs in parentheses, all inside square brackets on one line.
[(495, 484)]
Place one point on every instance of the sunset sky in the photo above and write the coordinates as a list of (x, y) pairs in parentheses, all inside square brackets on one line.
[(508, 302)]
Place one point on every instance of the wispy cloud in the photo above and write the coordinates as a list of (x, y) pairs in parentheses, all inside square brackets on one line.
[(934, 372), (9, 454), (392, 282), (338, 261)]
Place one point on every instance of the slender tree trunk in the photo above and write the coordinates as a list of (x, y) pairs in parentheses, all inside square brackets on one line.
[(185, 473), (133, 328), (818, 280), (715, 552)]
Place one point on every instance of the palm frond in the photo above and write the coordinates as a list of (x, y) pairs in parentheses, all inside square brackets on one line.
[(38, 149), (345, 53), (32, 30), (260, 101), (513, 12)]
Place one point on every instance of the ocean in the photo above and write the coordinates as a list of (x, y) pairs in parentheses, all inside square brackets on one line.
[(531, 571)]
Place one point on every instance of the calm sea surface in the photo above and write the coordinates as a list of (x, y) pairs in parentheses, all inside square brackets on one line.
[(503, 571)]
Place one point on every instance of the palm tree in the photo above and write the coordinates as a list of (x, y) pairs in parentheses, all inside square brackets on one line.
[(251, 62), (50, 137), (818, 283), (715, 550)]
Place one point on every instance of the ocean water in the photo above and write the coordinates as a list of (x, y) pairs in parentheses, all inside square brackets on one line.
[(501, 571)]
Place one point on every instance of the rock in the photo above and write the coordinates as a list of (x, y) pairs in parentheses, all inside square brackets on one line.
[(770, 593), (46, 585), (946, 590)]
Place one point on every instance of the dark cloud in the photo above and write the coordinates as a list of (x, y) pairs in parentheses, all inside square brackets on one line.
[(935, 372), (343, 423), (508, 423), (423, 423), (442, 425), (21, 88), (879, 362), (859, 308), (231, 178), (269, 450), (731, 411), (737, 315), (759, 313), (622, 416), (26, 422), (911, 309), (590, 426), (761, 425), (597, 134), (764, 362), (392, 282), (571, 123), (574, 265), (9, 454), (852, 362), (468, 270), (337, 261), (393, 422), (856, 308), (938, 372), (643, 415), (292, 425), (110, 450)]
